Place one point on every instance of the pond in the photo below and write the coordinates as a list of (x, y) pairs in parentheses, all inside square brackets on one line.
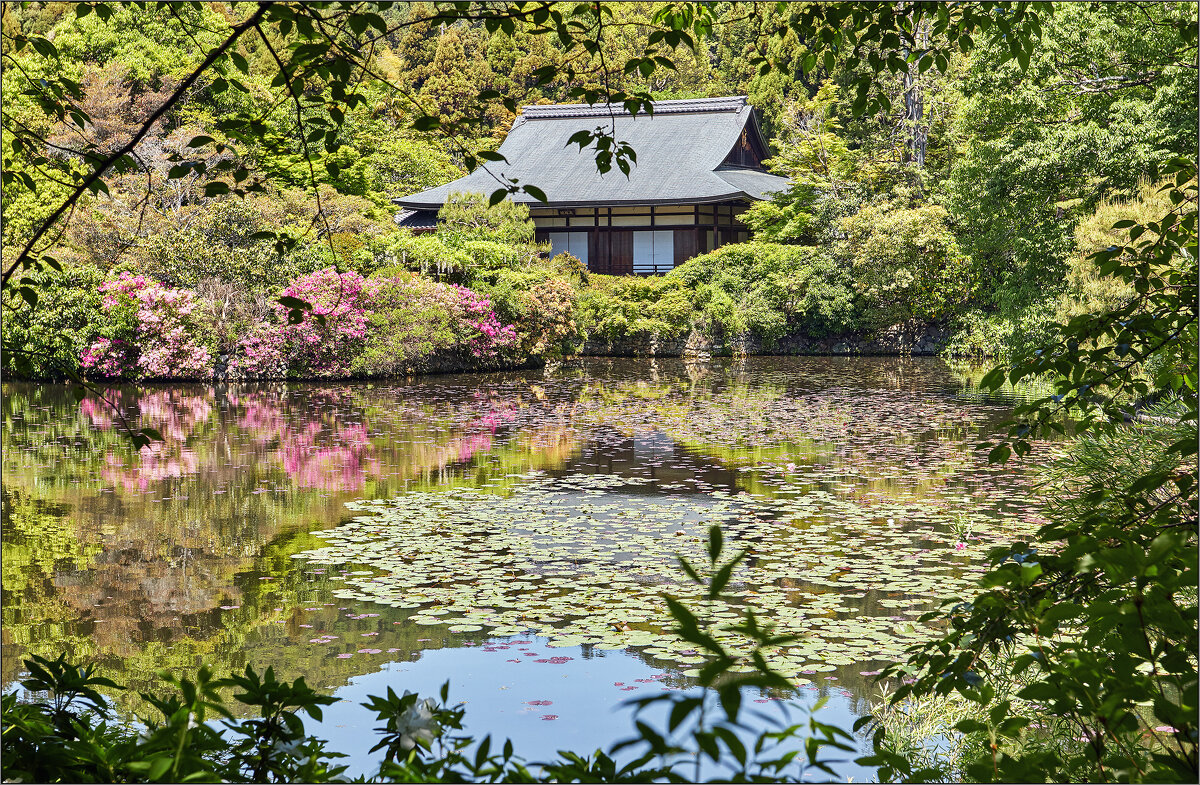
[(510, 533)]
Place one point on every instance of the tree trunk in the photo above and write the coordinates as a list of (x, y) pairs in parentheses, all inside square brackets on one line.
[(914, 102), (914, 116)]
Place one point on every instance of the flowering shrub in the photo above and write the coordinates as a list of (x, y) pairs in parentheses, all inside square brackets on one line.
[(260, 354), (485, 335), (325, 346), (154, 331), (110, 357), (539, 302), (415, 318), (354, 325)]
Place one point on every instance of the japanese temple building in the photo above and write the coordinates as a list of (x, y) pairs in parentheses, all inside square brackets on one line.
[(699, 166)]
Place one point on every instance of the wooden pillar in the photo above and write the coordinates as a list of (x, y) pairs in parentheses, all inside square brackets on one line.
[(609, 264)]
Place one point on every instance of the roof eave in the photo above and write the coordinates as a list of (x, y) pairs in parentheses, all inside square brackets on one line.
[(732, 196)]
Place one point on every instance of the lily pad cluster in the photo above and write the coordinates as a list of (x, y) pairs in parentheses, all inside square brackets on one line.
[(583, 559)]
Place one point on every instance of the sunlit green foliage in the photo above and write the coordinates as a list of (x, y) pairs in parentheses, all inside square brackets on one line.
[(1099, 611), (906, 264), (765, 289), (467, 217), (616, 307)]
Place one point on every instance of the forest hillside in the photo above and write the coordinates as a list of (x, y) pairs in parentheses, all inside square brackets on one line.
[(969, 198)]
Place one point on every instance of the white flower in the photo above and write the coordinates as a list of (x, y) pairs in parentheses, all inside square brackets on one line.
[(288, 748), (416, 724)]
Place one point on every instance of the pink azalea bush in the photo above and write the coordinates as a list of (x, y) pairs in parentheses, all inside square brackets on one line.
[(344, 300), (354, 325), (109, 357), (485, 335), (160, 332), (260, 354)]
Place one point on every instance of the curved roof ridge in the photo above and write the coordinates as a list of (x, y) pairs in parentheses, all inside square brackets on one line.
[(734, 103)]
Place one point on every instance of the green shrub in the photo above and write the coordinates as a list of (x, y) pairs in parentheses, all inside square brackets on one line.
[(466, 217), (222, 239), (495, 255), (787, 218), (471, 240), (234, 312), (906, 263), (570, 266), (976, 333), (1087, 290), (768, 290), (413, 318), (428, 254), (539, 301), (43, 339), (617, 307)]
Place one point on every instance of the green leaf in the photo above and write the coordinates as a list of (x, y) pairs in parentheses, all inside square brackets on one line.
[(159, 767), (716, 541), (535, 192), (294, 302), (216, 189), (581, 138), (993, 379)]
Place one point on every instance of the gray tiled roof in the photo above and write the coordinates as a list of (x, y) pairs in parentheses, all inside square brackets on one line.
[(416, 219), (679, 149)]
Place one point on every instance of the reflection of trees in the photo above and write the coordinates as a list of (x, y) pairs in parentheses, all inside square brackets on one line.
[(127, 557)]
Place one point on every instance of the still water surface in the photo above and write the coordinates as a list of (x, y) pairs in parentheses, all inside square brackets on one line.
[(530, 526)]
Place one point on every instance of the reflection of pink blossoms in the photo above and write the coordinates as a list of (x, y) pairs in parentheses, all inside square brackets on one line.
[(99, 412), (173, 414), (334, 458), (342, 466), (156, 462)]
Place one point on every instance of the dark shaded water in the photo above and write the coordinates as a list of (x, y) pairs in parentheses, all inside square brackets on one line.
[(184, 553)]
